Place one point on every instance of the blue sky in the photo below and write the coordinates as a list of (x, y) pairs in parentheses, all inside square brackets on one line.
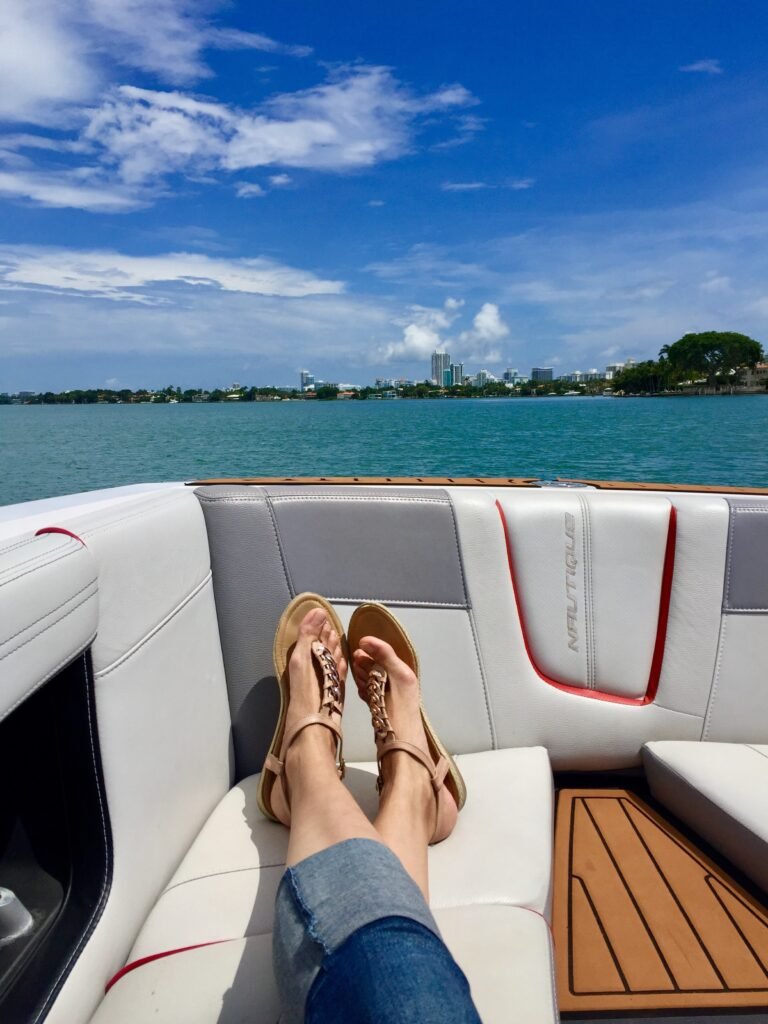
[(197, 193)]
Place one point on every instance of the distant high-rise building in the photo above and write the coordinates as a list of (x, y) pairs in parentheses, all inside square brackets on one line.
[(540, 374), (457, 374), (307, 380), (511, 376), (441, 362), (447, 380)]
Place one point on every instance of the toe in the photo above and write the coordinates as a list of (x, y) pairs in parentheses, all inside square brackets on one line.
[(362, 664), (313, 623)]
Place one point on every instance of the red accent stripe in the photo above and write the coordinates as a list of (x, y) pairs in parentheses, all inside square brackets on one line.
[(59, 529), (156, 956), (661, 628)]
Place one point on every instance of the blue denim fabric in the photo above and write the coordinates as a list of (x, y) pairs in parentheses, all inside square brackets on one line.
[(352, 916), (393, 971)]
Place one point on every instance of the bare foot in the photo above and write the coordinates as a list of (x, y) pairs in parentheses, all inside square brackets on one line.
[(313, 751), (404, 778)]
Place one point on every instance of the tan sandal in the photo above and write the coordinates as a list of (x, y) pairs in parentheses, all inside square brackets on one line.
[(330, 694), (376, 620)]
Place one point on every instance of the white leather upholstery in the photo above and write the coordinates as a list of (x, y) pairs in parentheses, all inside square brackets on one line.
[(738, 708), (721, 791), (497, 861), (500, 853), (48, 606), (578, 731), (588, 572), (505, 952), (507, 956), (228, 983), (162, 714)]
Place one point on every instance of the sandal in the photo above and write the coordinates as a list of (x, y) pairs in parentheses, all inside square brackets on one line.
[(330, 694), (376, 620)]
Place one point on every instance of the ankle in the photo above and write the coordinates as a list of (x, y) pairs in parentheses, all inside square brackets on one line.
[(313, 751)]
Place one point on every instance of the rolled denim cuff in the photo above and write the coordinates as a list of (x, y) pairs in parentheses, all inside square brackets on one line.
[(322, 900)]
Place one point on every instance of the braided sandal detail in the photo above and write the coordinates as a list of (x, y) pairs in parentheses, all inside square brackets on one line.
[(444, 775), (331, 702)]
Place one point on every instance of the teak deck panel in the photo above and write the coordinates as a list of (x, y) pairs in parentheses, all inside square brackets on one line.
[(643, 920)]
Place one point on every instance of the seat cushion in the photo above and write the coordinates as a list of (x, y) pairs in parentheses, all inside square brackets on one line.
[(490, 884), (500, 852), (721, 791), (504, 951)]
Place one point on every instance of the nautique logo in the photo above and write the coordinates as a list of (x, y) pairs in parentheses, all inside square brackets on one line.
[(571, 563)]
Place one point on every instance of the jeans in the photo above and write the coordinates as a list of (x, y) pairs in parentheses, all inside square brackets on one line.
[(355, 941)]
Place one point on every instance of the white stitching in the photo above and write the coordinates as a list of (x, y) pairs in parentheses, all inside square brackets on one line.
[(198, 589), (105, 527), (50, 612), (716, 679), (64, 661), (99, 907), (18, 544), (279, 543), (361, 497), (42, 559), (50, 624), (728, 559), (360, 598), (478, 655)]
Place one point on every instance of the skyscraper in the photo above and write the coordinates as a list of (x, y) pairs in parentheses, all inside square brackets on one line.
[(307, 380), (457, 373), (539, 374), (441, 362)]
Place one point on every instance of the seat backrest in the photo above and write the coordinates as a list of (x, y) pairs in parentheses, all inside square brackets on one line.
[(586, 621), (162, 713)]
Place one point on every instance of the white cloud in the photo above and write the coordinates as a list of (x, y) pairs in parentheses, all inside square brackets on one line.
[(464, 186), (424, 330), (235, 39), (249, 190), (59, 53), (375, 202), (487, 328), (716, 283), (65, 190), (518, 184), (708, 66), (145, 279), (356, 119), (280, 180), (487, 325)]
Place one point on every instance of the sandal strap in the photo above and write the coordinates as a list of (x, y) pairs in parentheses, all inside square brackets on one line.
[(437, 772)]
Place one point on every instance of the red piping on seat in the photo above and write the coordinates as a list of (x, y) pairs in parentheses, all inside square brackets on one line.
[(156, 956), (59, 529), (661, 629)]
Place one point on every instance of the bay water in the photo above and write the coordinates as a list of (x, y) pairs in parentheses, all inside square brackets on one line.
[(51, 450)]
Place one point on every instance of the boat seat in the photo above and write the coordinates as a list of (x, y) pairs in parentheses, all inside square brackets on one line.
[(721, 791), (490, 890)]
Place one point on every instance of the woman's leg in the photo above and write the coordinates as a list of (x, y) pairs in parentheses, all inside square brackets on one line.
[(354, 937), (407, 807), (323, 811)]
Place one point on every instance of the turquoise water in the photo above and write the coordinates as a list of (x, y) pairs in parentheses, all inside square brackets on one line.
[(48, 450)]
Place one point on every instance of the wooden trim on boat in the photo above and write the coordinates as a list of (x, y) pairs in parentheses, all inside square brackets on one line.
[(634, 485), (471, 481), (377, 481)]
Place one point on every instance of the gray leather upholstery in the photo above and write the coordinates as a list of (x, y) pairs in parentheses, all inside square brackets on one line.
[(746, 579), (384, 544)]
